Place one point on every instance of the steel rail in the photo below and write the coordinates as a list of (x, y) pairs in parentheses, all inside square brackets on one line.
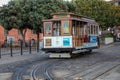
[(94, 77), (34, 68), (33, 72), (47, 72), (97, 76), (45, 69), (20, 73)]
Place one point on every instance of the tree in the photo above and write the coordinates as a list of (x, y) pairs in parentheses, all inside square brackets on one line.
[(117, 14), (71, 6), (104, 12), (14, 15), (42, 10), (24, 14)]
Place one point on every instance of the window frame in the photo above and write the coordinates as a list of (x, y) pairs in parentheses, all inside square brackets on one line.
[(50, 29), (63, 26)]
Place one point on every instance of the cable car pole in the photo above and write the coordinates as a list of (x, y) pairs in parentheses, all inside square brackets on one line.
[(11, 52), (0, 51), (30, 46), (37, 39), (21, 45)]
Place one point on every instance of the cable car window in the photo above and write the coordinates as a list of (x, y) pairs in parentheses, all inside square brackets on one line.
[(48, 28), (65, 26), (56, 29), (73, 30), (88, 28), (85, 29), (91, 27), (96, 29)]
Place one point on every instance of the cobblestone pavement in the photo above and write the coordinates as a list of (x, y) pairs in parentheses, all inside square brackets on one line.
[(103, 59), (68, 69), (9, 64)]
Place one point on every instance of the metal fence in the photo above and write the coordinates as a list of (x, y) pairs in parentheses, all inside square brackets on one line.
[(12, 47)]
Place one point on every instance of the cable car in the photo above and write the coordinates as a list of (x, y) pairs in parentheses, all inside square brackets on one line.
[(66, 33)]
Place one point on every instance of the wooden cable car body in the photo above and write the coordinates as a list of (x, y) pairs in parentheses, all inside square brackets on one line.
[(67, 32)]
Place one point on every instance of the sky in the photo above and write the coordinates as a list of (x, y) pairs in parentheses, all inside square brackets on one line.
[(2, 2)]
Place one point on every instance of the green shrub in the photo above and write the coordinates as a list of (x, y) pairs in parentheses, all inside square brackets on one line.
[(107, 35)]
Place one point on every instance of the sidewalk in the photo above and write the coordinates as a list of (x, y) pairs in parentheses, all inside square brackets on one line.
[(5, 59)]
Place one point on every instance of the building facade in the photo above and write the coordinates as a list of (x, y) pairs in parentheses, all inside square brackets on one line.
[(15, 35)]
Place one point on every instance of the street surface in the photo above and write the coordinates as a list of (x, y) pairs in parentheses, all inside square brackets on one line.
[(101, 64)]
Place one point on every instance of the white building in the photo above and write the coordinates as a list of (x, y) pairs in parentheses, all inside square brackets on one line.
[(117, 2)]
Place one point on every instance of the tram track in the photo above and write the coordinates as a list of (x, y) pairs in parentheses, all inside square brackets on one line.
[(45, 66), (94, 71), (45, 71), (109, 60), (36, 71), (97, 76), (32, 74), (20, 72)]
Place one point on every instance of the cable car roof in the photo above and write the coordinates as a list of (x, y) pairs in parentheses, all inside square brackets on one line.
[(59, 16), (59, 19)]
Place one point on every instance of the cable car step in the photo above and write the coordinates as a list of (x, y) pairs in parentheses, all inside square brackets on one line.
[(60, 55)]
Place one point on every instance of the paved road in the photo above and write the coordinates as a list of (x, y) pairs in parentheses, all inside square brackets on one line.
[(104, 59), (102, 64), (9, 64)]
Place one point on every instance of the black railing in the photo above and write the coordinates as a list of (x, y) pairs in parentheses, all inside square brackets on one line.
[(12, 47)]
